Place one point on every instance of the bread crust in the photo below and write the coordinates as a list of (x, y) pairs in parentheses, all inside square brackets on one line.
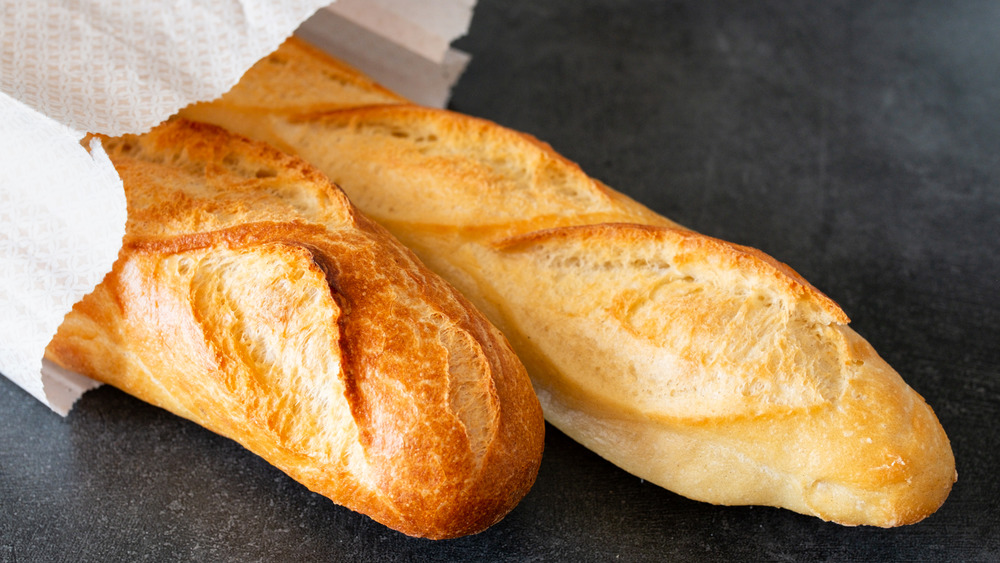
[(706, 367), (252, 298)]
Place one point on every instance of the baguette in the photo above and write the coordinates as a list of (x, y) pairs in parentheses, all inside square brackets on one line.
[(706, 367), (251, 298)]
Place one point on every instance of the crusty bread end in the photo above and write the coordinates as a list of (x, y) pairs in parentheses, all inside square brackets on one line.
[(252, 298)]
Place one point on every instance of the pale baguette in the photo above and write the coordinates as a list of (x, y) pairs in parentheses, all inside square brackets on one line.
[(252, 298), (705, 367)]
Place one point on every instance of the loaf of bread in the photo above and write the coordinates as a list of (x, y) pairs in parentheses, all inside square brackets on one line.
[(251, 298), (703, 366)]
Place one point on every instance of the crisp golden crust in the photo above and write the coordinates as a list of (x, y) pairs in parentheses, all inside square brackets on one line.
[(690, 248), (296, 79), (251, 298), (706, 367), (300, 78)]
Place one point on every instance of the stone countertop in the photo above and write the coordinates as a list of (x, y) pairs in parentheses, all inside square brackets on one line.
[(857, 142)]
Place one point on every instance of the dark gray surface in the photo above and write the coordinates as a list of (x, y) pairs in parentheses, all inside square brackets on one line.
[(858, 142)]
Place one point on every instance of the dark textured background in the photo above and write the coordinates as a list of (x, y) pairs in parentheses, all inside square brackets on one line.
[(858, 142)]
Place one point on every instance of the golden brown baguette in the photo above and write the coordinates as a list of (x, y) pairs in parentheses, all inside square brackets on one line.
[(252, 298), (705, 367)]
